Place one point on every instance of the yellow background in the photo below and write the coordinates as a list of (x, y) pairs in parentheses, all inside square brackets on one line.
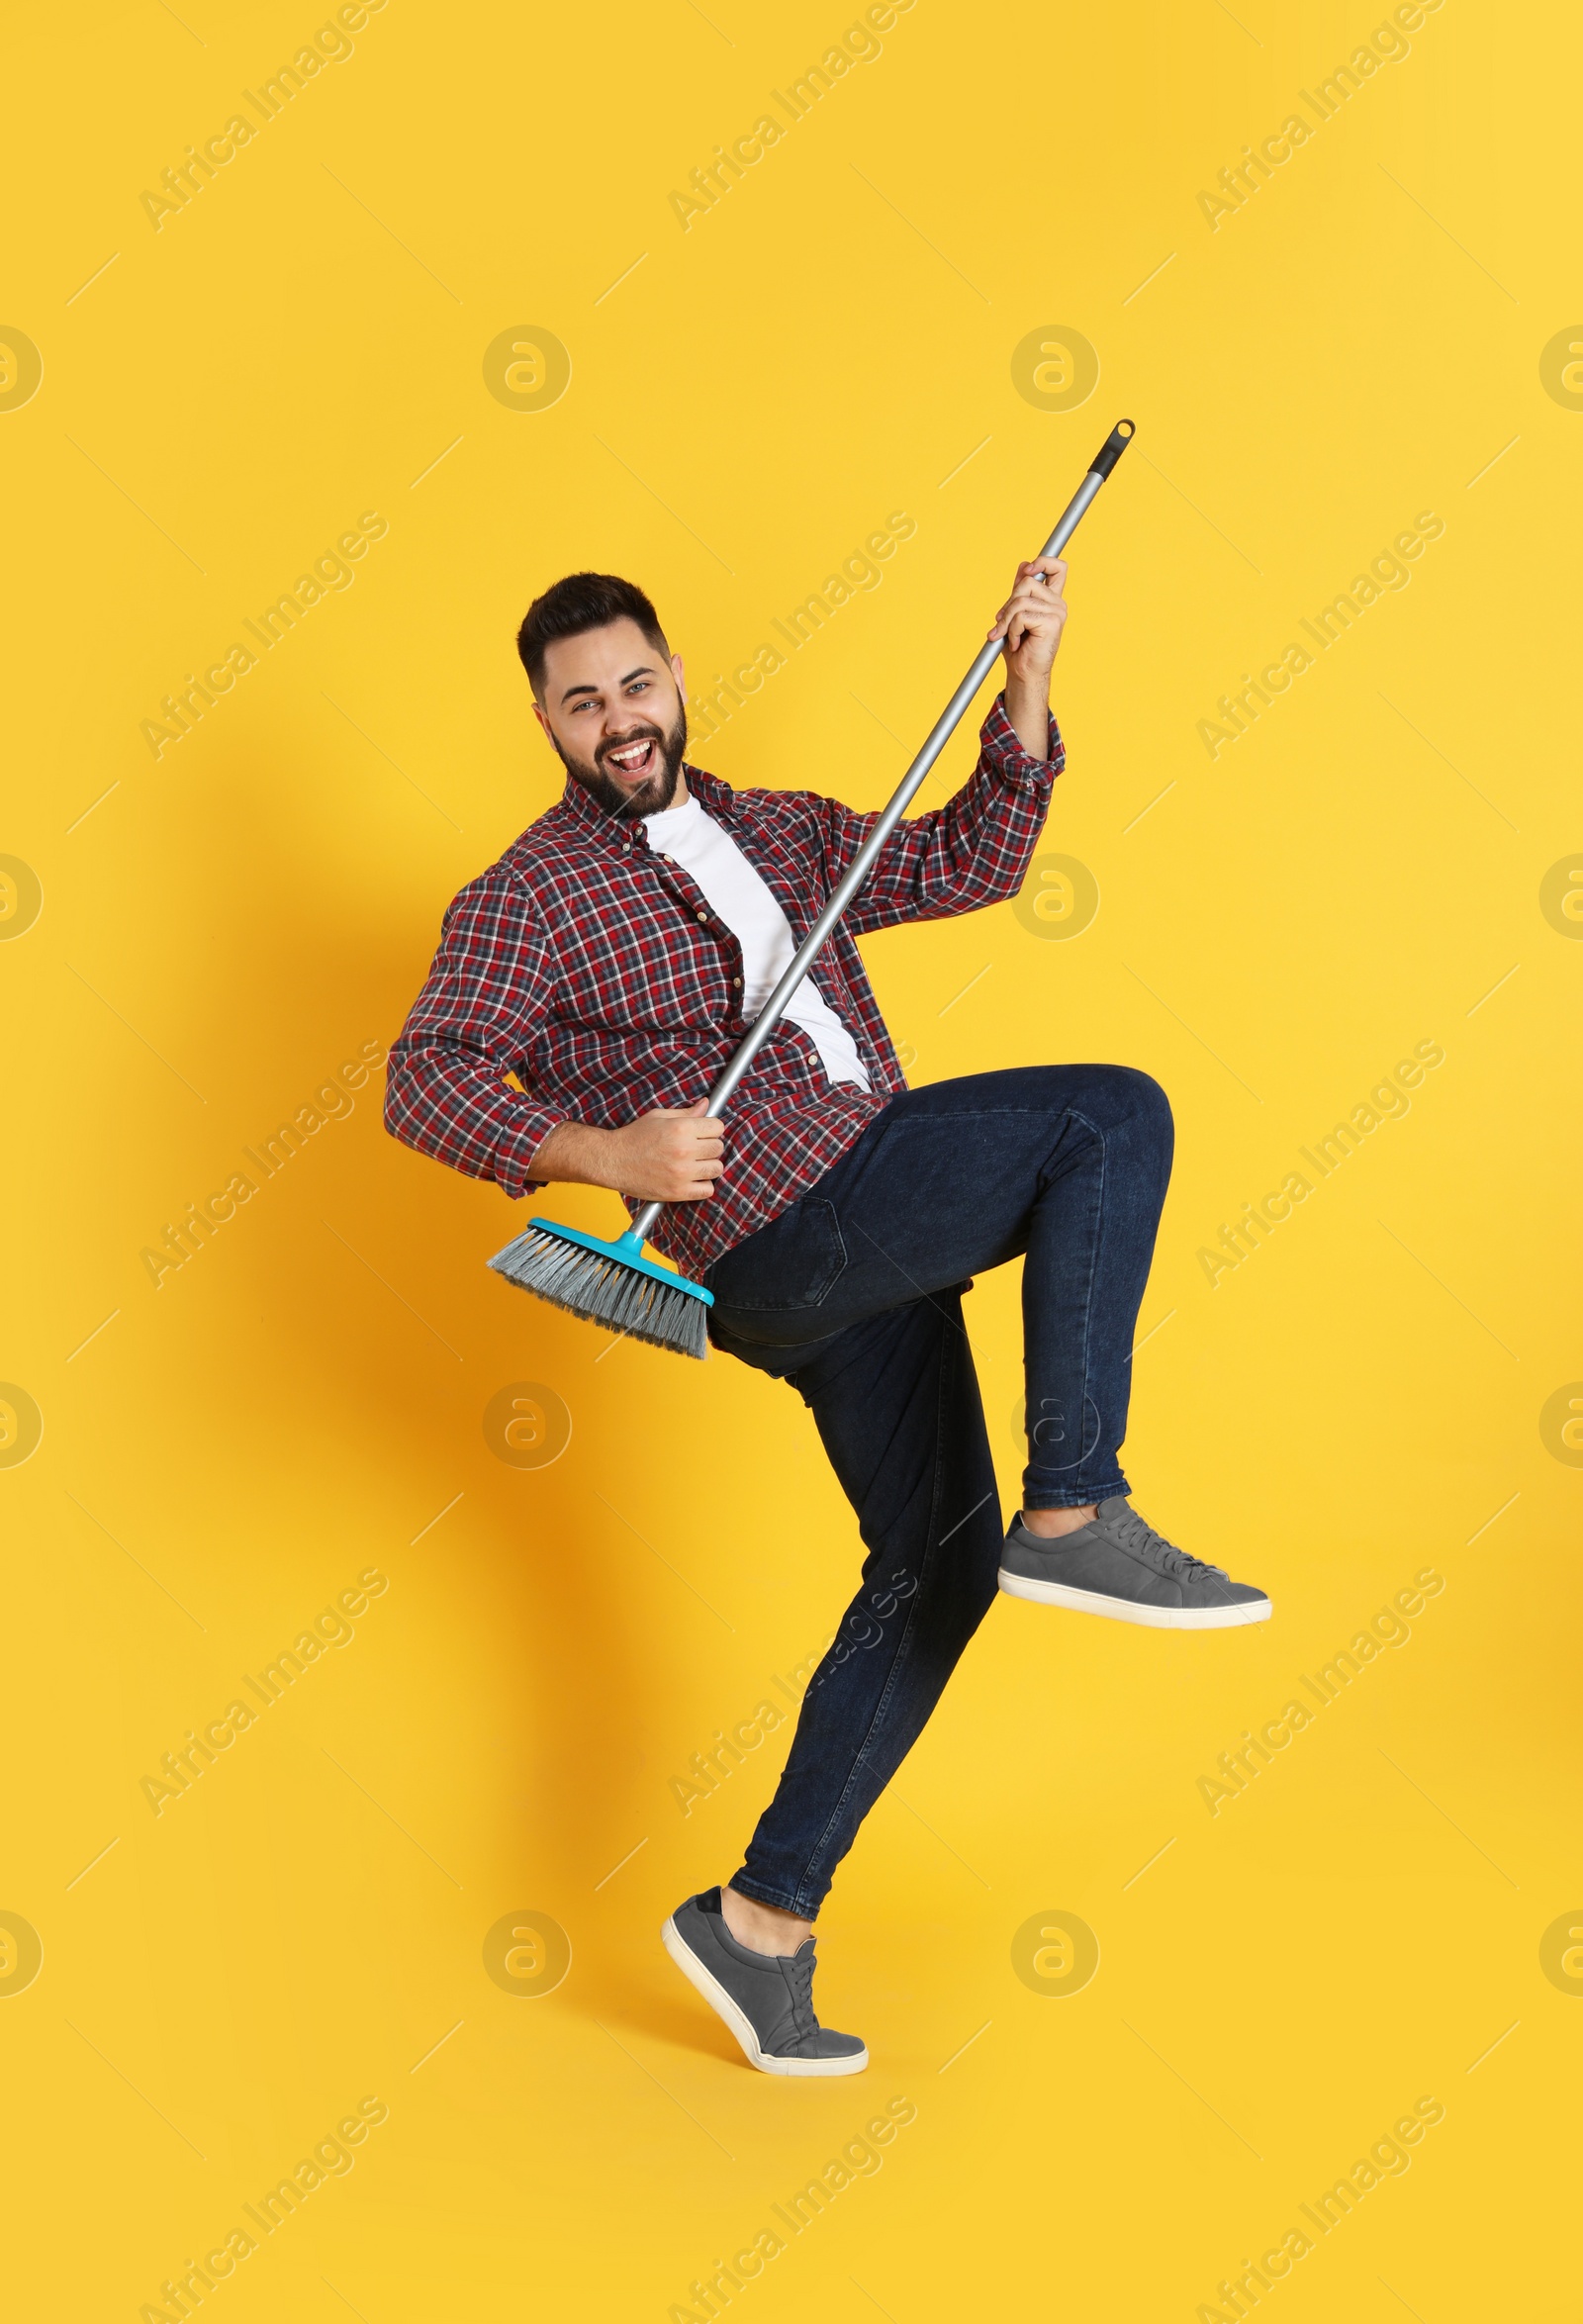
[(222, 926)]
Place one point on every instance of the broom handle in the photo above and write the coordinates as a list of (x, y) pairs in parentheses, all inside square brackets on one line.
[(862, 863)]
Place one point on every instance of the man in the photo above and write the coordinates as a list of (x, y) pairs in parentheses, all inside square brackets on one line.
[(609, 964)]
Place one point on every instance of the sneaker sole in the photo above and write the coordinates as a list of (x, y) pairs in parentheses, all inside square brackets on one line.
[(733, 2015), (1154, 1617)]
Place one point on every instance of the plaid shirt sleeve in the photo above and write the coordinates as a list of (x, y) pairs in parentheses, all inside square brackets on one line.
[(487, 997), (972, 852)]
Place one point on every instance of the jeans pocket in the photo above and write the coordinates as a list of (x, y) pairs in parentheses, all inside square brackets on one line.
[(795, 1262)]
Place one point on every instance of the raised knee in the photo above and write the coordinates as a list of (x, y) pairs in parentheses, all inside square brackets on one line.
[(1150, 1096), (1147, 1102)]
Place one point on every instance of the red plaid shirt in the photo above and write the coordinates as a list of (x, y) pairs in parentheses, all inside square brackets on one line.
[(594, 969)]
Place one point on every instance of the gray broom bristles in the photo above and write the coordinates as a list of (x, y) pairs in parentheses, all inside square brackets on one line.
[(604, 1290)]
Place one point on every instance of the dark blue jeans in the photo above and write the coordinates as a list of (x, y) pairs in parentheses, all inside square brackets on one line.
[(855, 1296)]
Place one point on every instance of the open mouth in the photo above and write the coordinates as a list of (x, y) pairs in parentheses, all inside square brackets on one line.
[(633, 760)]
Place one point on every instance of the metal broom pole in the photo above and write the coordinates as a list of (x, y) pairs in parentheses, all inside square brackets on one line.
[(863, 862)]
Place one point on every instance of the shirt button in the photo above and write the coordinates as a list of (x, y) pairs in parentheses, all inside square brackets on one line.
[(704, 916)]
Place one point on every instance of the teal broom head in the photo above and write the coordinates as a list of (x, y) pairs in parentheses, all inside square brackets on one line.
[(609, 1284)]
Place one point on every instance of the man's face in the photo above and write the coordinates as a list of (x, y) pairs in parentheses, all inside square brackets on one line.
[(616, 712)]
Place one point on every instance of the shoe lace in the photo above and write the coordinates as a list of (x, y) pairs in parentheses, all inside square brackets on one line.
[(1138, 1535), (800, 1979)]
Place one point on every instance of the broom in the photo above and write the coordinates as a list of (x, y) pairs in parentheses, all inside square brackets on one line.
[(612, 1282)]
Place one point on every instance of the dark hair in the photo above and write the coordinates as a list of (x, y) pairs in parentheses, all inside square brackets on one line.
[(582, 601)]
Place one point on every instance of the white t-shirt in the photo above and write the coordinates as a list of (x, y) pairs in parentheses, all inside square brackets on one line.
[(712, 859)]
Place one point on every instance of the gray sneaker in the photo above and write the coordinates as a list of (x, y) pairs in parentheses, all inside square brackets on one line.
[(1119, 1566), (766, 1998)]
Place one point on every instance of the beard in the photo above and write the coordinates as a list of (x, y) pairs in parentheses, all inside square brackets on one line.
[(631, 800)]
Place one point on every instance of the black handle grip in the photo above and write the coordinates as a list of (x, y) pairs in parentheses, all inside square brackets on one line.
[(1111, 449)]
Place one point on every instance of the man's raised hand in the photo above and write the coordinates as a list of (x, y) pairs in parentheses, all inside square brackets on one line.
[(1033, 616), (1030, 623)]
